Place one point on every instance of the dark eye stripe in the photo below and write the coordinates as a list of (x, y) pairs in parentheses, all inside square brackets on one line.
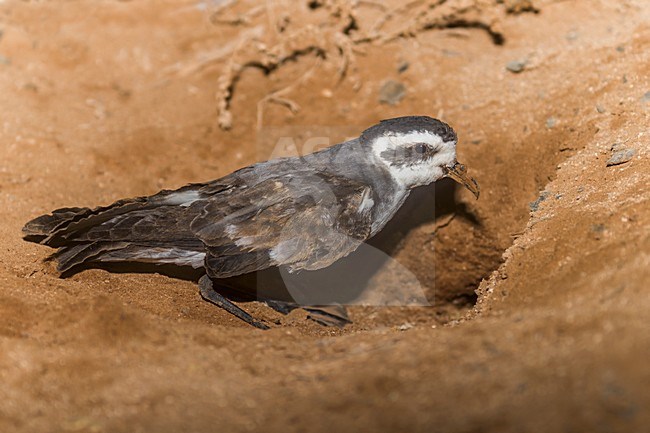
[(409, 155), (421, 148)]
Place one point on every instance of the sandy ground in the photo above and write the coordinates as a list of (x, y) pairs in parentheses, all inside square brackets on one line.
[(541, 288)]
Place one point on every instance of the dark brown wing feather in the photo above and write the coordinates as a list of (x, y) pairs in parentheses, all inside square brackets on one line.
[(305, 222)]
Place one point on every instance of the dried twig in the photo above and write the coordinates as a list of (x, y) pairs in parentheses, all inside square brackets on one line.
[(340, 37), (277, 97)]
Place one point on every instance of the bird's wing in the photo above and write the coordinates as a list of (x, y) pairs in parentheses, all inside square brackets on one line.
[(303, 222)]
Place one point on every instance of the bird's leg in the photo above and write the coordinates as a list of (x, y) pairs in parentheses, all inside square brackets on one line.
[(209, 294)]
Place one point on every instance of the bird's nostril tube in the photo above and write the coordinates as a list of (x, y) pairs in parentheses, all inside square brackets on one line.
[(458, 172)]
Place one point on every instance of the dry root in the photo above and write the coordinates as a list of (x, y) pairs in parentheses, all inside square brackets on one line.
[(339, 38)]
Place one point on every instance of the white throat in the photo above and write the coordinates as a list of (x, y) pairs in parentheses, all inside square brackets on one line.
[(417, 174)]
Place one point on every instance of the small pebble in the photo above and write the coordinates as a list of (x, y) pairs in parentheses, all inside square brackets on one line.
[(404, 327), (450, 53), (535, 205), (519, 6), (598, 230), (403, 66), (646, 97), (621, 157), (572, 35), (516, 66), (5, 60), (392, 92), (615, 147), (551, 122), (600, 109)]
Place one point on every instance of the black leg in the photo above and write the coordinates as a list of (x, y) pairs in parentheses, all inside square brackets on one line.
[(209, 294)]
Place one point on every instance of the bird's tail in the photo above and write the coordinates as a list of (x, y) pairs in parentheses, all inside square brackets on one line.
[(41, 230), (145, 229), (42, 227), (54, 229), (66, 224)]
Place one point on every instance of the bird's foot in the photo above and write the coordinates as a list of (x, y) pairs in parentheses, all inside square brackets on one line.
[(329, 315)]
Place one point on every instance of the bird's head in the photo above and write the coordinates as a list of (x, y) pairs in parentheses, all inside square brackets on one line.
[(417, 150)]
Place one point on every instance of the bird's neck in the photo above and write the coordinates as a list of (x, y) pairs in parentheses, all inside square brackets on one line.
[(354, 161), (386, 209)]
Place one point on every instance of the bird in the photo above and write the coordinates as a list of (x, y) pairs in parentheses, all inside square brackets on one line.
[(298, 213)]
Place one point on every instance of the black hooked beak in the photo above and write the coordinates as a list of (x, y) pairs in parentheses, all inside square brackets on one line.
[(458, 172)]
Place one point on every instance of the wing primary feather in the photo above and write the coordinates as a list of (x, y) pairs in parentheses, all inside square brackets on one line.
[(73, 256)]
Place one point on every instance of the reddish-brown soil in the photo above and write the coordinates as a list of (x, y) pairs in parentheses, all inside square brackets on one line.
[(541, 289)]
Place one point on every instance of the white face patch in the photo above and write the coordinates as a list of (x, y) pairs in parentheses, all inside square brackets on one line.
[(416, 172)]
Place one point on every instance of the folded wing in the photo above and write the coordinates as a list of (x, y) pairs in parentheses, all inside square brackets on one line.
[(305, 222), (250, 220)]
